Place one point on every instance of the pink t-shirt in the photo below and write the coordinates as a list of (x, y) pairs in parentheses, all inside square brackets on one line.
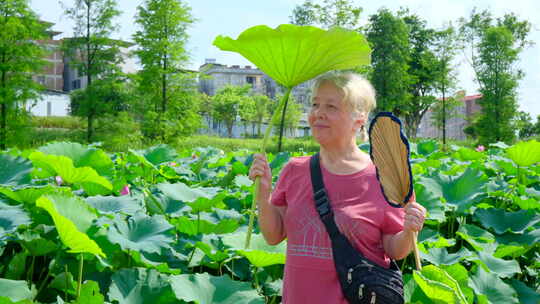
[(361, 213)]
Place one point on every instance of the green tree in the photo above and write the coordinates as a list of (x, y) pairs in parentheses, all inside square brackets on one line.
[(388, 37), (91, 51), (330, 13), (537, 125), (20, 56), (445, 48), (292, 116), (495, 45), (162, 52), (442, 109), (227, 102), (247, 112), (422, 71), (262, 110), (524, 125)]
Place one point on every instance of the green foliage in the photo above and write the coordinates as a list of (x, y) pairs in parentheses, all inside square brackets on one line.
[(93, 53), (292, 115), (58, 122), (103, 96), (118, 132), (331, 13), (21, 57), (388, 36), (422, 71), (162, 49), (179, 234), (524, 125), (227, 102), (495, 46)]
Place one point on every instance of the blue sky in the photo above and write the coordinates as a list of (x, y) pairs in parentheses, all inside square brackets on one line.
[(231, 17)]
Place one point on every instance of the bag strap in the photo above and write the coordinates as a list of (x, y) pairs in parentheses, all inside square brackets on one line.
[(322, 202)]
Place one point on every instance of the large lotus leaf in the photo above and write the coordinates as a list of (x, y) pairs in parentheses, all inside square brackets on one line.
[(510, 251), (440, 256), (475, 236), (126, 204), (87, 177), (14, 171), (432, 238), (503, 268), (463, 190), (502, 221), (292, 54), (16, 290), (77, 241), (10, 219), (140, 286), (35, 244), (438, 292), (202, 288), (412, 292), (184, 193), (159, 203), (466, 154), (206, 224), (526, 295), (64, 282), (525, 153), (459, 273), (260, 253), (82, 156), (29, 195), (528, 238), (490, 285), (141, 233), (90, 294), (75, 209), (428, 194), (159, 154), (426, 147), (436, 274)]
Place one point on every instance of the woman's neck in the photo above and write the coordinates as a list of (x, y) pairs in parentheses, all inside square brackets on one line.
[(343, 160)]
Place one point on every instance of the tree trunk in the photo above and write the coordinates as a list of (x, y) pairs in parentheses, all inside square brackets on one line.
[(91, 109), (229, 129), (3, 122)]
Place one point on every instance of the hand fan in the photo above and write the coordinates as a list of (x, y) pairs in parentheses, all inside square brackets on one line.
[(389, 151)]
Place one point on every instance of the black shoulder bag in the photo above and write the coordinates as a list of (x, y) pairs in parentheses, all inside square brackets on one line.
[(362, 281)]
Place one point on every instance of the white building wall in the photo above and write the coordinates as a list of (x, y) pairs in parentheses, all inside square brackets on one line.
[(50, 104)]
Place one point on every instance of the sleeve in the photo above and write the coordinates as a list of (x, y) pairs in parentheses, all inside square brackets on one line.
[(393, 219), (279, 195)]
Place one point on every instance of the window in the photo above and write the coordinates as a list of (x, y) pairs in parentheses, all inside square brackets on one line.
[(76, 84), (250, 80)]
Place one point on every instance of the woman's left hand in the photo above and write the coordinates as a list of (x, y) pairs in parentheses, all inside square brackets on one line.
[(415, 215)]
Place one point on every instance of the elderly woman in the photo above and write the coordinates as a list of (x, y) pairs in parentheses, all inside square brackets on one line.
[(341, 103)]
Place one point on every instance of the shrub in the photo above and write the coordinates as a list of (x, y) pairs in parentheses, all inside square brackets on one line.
[(62, 122)]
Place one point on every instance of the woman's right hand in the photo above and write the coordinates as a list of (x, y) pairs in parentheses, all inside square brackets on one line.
[(260, 168)]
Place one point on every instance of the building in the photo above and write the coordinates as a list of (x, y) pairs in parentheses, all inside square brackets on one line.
[(454, 124), (217, 75), (59, 78)]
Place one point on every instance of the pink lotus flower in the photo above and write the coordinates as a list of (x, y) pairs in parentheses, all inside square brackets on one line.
[(125, 190), (173, 164), (480, 148), (59, 180)]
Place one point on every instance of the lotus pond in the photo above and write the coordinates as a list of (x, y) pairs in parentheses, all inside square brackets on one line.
[(79, 225)]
